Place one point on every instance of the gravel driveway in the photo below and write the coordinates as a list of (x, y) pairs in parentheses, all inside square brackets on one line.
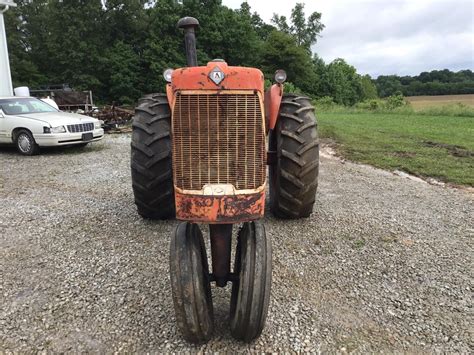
[(383, 264)]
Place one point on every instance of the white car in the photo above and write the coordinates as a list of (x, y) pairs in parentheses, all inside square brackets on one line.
[(30, 123)]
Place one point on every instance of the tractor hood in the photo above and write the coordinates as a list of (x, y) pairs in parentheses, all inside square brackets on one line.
[(217, 75)]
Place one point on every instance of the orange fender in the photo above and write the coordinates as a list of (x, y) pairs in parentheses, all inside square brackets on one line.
[(272, 105), (170, 95)]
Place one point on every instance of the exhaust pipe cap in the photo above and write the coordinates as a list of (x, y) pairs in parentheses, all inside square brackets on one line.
[(186, 22)]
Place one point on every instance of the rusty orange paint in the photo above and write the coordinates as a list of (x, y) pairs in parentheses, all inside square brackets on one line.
[(170, 96), (220, 209), (235, 78), (272, 104), (227, 208)]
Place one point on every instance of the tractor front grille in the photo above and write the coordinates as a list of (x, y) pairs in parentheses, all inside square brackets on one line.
[(81, 127), (218, 139)]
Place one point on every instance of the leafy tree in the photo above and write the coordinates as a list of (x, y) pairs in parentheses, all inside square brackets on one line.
[(341, 82), (304, 31), (66, 41), (225, 33), (388, 85), (163, 46), (126, 21), (281, 23), (119, 49), (436, 82), (282, 52), (369, 91), (23, 69), (121, 64), (261, 28)]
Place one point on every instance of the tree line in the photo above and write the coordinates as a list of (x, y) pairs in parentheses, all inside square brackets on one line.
[(436, 82), (119, 49)]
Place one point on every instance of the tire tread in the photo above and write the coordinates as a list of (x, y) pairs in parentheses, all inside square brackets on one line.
[(293, 179), (151, 161)]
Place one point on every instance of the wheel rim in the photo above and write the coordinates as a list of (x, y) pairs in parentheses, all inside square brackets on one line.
[(24, 143)]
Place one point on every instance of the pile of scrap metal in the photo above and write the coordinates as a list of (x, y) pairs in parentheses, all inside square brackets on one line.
[(66, 98), (116, 119)]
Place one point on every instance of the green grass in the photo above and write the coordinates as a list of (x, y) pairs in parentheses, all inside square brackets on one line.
[(441, 147), (452, 110)]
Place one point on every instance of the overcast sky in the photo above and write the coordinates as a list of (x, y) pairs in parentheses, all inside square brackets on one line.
[(378, 37)]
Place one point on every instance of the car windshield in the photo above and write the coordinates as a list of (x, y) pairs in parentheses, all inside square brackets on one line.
[(24, 105)]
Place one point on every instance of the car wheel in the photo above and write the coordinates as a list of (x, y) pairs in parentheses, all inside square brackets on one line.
[(26, 144)]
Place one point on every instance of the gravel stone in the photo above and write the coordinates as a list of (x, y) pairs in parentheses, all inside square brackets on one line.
[(383, 264)]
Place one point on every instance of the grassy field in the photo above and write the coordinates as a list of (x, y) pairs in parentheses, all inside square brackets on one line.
[(423, 102), (428, 146)]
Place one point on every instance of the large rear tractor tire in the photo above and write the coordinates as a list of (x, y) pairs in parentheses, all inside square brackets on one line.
[(294, 176), (152, 174)]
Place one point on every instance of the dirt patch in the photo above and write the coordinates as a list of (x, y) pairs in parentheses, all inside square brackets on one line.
[(329, 148), (454, 150)]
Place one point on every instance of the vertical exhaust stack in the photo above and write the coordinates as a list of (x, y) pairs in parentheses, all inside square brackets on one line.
[(189, 24)]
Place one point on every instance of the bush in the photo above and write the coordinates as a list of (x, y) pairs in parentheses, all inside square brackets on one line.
[(395, 101), (291, 88), (394, 104), (325, 102), (266, 84), (288, 87), (372, 105)]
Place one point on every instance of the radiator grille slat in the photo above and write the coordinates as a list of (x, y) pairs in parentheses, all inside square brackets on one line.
[(81, 127), (218, 139)]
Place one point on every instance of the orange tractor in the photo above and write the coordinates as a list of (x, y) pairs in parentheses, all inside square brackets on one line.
[(200, 154)]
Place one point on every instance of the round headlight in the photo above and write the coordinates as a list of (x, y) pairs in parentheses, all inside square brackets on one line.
[(167, 75), (280, 76)]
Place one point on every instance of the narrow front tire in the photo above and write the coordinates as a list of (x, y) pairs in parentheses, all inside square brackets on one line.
[(251, 292), (190, 284)]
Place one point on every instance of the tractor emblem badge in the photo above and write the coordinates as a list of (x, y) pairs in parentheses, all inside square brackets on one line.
[(216, 75)]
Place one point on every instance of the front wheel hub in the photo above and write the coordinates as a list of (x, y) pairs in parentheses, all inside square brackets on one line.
[(24, 143)]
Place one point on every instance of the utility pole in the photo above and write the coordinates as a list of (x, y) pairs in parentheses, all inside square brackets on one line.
[(6, 88)]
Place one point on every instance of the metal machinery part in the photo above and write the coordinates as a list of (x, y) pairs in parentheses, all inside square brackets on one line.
[(221, 243), (219, 176), (199, 154)]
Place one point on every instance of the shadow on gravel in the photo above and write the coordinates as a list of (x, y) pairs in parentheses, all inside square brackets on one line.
[(62, 150)]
